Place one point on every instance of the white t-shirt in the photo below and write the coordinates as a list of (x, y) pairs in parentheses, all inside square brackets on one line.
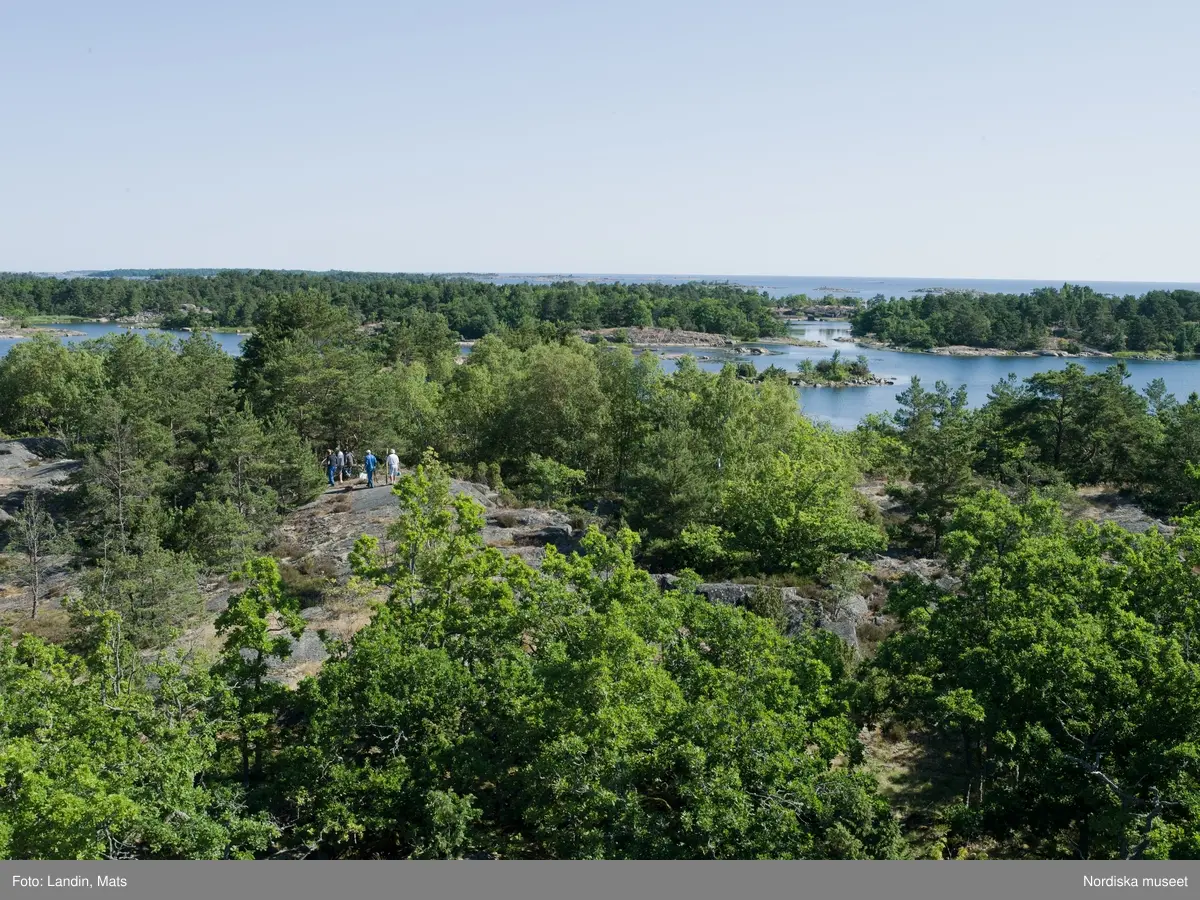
[(393, 462)]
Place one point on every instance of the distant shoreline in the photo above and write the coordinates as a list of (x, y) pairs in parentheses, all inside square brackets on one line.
[(963, 351), (22, 334), (51, 325)]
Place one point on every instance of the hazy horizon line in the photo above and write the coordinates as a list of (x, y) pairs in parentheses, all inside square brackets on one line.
[(544, 273)]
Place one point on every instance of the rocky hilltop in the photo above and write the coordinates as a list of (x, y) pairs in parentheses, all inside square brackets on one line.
[(313, 544)]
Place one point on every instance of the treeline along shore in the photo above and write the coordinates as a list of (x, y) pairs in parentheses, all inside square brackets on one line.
[(1070, 321)]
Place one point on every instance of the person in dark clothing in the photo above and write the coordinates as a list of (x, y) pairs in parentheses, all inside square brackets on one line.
[(330, 464), (369, 463)]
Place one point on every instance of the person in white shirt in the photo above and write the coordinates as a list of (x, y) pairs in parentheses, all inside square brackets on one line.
[(393, 466)]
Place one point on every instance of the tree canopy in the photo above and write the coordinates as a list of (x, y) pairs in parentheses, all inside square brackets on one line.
[(1162, 321)]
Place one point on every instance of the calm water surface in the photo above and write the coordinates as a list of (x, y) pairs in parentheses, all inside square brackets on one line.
[(227, 341), (845, 407)]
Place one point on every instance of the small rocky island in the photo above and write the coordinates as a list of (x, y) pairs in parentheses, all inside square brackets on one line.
[(832, 372), (15, 330)]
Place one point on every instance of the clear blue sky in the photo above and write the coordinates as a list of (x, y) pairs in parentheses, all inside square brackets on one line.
[(1012, 139)]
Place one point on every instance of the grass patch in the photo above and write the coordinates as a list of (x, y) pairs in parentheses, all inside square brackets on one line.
[(287, 548), (508, 519), (52, 624), (310, 581), (920, 782)]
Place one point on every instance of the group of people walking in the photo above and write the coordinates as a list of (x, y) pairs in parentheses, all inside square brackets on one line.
[(339, 466)]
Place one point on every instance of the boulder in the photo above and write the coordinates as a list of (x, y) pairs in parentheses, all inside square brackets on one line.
[(948, 583), (844, 628), (802, 611), (855, 606), (481, 493), (559, 535), (727, 593)]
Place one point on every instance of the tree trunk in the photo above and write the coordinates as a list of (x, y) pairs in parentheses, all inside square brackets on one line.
[(35, 565)]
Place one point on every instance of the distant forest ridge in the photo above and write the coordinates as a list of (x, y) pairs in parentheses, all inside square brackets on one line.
[(341, 274), (471, 307)]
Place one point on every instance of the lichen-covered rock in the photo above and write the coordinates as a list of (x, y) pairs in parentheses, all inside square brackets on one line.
[(802, 612)]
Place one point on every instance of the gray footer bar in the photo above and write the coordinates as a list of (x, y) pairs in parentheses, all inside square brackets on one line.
[(499, 880)]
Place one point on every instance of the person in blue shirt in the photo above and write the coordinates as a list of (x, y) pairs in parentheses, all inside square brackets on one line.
[(369, 463)]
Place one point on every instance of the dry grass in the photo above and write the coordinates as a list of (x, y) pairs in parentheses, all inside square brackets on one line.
[(310, 581), (507, 519), (201, 638), (292, 677), (52, 623), (288, 548), (870, 635)]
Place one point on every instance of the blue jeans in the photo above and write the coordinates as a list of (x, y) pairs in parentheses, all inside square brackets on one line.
[(370, 478), (331, 471)]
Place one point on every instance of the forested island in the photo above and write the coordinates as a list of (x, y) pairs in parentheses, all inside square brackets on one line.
[(232, 299), (604, 611), (1071, 320)]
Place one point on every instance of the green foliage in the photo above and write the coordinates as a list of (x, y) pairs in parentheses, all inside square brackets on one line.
[(577, 710), (879, 446), (940, 435), (1060, 672), (571, 712), (88, 772), (551, 482), (767, 601), (259, 623), (1171, 485), (419, 336), (218, 534), (793, 512), (154, 592), (1091, 427), (1047, 433), (45, 388)]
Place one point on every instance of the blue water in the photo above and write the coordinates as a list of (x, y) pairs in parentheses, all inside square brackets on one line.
[(845, 407), (845, 286), (230, 343)]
